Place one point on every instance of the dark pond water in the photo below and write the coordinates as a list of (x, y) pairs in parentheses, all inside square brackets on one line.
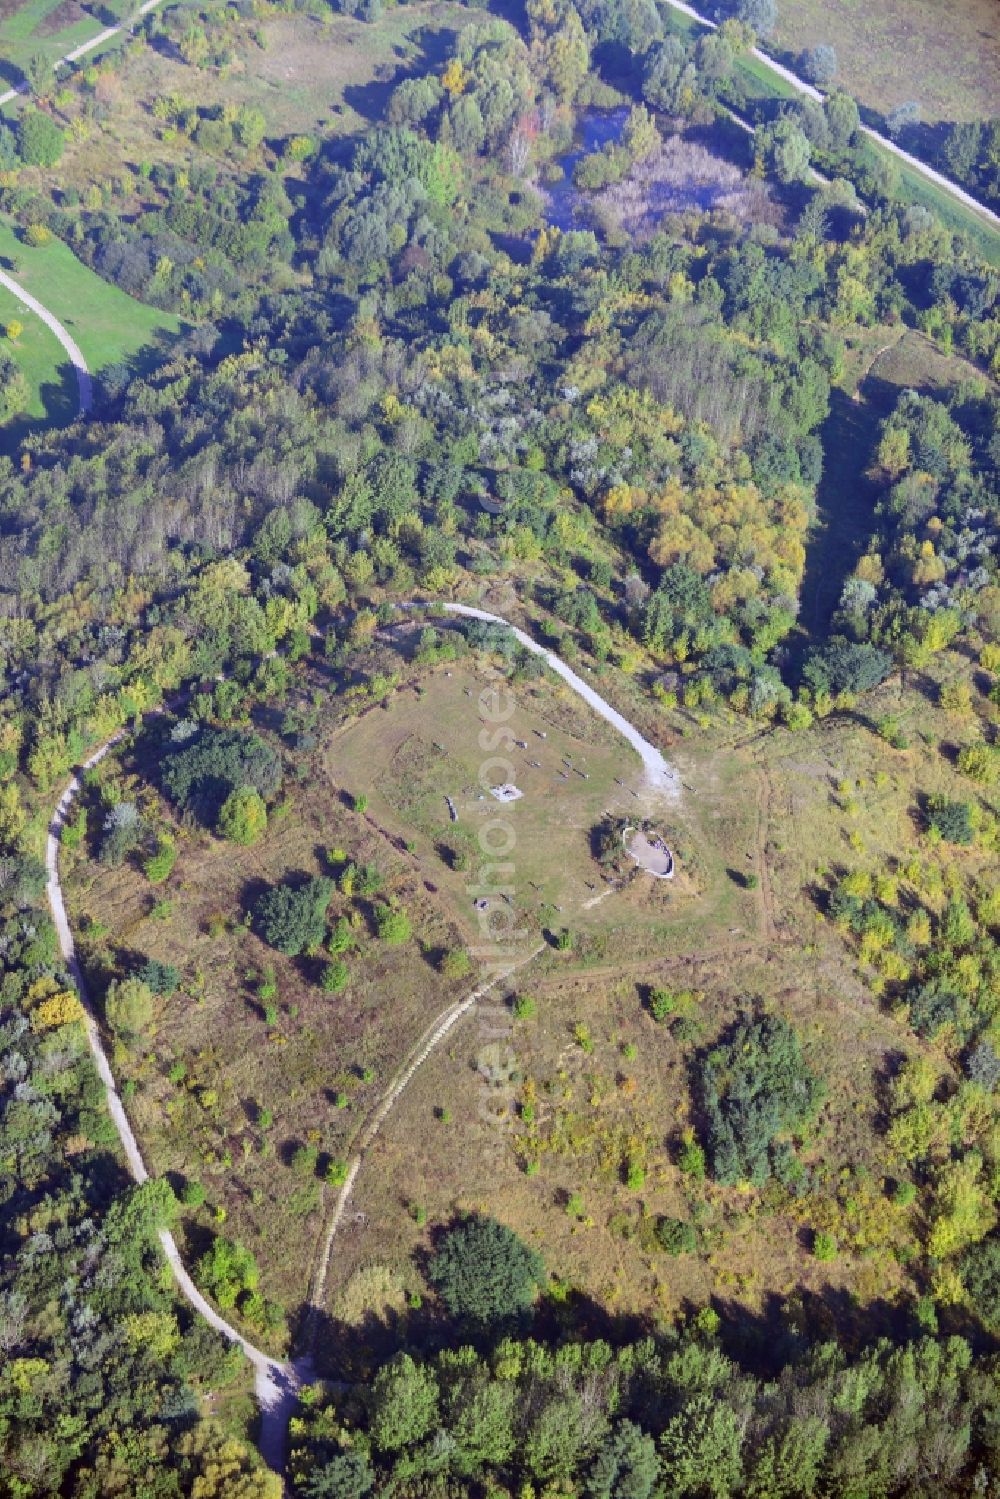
[(686, 175), (595, 129)]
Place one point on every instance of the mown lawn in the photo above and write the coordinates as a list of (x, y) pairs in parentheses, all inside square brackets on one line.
[(47, 27), (109, 326), (52, 386)]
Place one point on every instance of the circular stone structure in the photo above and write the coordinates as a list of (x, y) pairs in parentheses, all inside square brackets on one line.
[(650, 853)]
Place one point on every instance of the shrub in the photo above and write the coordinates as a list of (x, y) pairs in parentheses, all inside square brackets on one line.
[(40, 142), (243, 816), (120, 834), (60, 1008), (981, 762), (676, 1236), (202, 770), (761, 15), (292, 918), (980, 1270), (524, 1007), (348, 1475), (691, 1157), (755, 1086), (128, 1006), (484, 1274), (891, 730), (982, 1066), (403, 1404), (300, 148), (335, 978), (819, 65), (635, 1175), (340, 937), (661, 1003), (304, 1159), (935, 1004), (824, 1246), (952, 820), (393, 926), (902, 117), (844, 665), (159, 866), (160, 978), (227, 1270), (455, 963), (685, 1029)]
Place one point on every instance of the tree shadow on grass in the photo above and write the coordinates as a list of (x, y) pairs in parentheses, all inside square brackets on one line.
[(61, 398), (433, 46)]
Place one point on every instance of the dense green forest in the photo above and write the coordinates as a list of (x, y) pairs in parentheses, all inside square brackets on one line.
[(399, 378)]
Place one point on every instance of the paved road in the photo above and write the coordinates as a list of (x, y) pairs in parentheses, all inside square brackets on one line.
[(276, 1384), (84, 48), (802, 87), (660, 775), (84, 383)]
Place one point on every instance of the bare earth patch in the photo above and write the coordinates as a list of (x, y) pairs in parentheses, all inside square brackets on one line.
[(66, 14)]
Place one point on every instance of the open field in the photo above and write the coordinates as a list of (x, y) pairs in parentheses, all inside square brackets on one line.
[(219, 1054), (304, 75), (946, 57), (570, 778), (539, 1119), (304, 1061)]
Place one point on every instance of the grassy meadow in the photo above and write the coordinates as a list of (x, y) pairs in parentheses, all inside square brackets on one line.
[(945, 57), (569, 1121)]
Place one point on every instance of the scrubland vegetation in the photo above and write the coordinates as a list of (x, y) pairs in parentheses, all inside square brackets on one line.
[(701, 1198)]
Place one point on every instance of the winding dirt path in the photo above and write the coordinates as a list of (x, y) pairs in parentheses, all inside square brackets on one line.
[(428, 1043), (276, 1383), (85, 385)]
